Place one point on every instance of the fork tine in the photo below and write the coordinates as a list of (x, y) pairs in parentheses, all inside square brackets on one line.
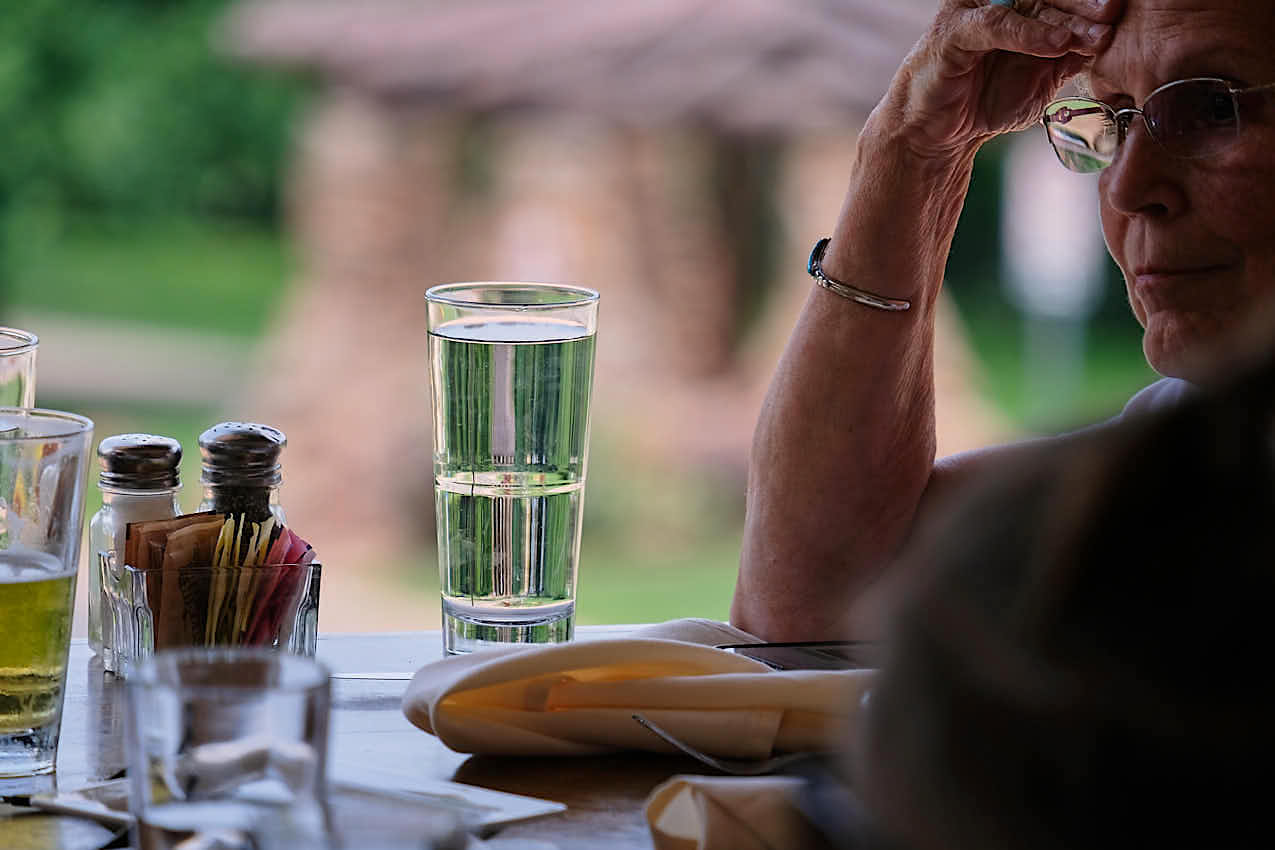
[(735, 767)]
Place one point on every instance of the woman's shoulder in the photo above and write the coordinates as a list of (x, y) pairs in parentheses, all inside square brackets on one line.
[(1164, 393)]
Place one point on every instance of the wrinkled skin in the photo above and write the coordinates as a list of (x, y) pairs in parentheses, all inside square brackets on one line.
[(1195, 239), (982, 70)]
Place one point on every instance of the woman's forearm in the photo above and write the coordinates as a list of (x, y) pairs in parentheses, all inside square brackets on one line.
[(844, 446)]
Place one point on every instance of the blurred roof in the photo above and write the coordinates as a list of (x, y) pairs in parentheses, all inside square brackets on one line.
[(742, 65)]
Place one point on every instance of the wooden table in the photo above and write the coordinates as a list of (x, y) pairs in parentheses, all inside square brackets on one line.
[(604, 795)]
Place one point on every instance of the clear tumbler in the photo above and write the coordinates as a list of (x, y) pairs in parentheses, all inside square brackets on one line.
[(228, 748), (17, 367), (511, 367), (44, 456)]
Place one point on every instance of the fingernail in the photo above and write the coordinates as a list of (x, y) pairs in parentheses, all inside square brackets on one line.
[(1097, 33), (1059, 37)]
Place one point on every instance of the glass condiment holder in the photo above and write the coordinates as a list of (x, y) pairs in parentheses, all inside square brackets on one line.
[(240, 472), (140, 480)]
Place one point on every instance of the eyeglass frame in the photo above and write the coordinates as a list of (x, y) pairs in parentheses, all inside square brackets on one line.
[(1123, 117)]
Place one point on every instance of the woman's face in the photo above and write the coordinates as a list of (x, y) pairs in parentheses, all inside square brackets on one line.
[(1194, 238)]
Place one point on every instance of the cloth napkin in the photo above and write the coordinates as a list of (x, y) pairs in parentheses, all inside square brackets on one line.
[(579, 698), (720, 813)]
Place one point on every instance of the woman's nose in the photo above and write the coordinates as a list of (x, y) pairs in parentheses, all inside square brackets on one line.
[(1143, 180)]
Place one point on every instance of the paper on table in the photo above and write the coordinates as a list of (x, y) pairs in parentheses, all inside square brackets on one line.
[(579, 698), (719, 813), (481, 809)]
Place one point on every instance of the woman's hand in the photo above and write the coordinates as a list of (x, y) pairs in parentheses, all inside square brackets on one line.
[(986, 69)]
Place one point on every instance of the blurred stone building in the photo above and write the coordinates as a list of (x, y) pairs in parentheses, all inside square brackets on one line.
[(680, 156)]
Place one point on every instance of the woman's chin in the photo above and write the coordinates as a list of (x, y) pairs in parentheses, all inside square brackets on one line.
[(1190, 356)]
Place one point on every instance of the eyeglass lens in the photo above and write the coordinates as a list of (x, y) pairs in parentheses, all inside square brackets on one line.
[(1189, 119)]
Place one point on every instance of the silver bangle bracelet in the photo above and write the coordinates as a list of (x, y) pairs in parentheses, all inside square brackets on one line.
[(845, 290)]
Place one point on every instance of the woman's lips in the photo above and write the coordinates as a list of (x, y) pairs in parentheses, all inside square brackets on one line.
[(1169, 270), (1164, 285)]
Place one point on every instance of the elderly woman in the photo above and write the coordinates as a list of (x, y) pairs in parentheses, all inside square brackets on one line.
[(1179, 123)]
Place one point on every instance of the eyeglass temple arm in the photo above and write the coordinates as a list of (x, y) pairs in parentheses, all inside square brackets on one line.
[(1246, 95), (1254, 89)]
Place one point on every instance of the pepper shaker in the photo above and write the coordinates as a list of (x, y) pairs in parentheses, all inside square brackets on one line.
[(139, 481), (241, 473)]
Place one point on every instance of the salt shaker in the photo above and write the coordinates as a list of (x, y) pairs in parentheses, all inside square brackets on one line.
[(139, 481), (241, 472)]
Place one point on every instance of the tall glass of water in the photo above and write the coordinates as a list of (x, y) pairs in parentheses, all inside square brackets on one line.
[(511, 367), (17, 367), (43, 465)]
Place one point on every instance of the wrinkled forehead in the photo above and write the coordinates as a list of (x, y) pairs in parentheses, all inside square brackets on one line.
[(1158, 41)]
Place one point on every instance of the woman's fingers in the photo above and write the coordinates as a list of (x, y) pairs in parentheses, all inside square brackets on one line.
[(1087, 31), (979, 70), (1096, 11), (983, 29)]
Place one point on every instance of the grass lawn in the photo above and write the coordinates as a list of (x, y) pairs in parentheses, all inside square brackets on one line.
[(658, 544), (617, 586), (176, 273), (1113, 369), (622, 580)]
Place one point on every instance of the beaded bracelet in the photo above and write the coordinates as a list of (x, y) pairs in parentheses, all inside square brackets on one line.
[(870, 299)]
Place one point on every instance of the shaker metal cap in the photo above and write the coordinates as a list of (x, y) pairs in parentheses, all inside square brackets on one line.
[(139, 462), (241, 453)]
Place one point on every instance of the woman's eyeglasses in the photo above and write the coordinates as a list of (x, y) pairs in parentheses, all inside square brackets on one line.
[(1189, 119)]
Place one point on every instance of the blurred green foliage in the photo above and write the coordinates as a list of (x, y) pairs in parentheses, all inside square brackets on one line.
[(126, 105), (220, 275), (1114, 367), (974, 270)]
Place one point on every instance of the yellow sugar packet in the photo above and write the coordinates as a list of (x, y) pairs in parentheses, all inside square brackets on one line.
[(264, 544), (217, 599), (250, 553), (257, 553), (244, 595)]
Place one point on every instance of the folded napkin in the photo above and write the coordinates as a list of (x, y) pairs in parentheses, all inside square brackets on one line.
[(719, 813), (579, 698)]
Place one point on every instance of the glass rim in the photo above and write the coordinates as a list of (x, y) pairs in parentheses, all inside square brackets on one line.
[(26, 341), (156, 671), (577, 296), (82, 424)]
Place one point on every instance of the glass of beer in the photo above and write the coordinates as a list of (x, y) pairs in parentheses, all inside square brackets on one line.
[(17, 367), (44, 458), (511, 366)]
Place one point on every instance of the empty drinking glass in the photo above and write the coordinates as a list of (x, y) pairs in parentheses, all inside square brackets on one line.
[(228, 748)]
